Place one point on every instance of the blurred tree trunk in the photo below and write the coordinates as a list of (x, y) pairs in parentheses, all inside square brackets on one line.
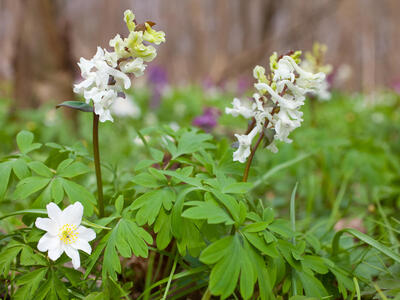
[(42, 65)]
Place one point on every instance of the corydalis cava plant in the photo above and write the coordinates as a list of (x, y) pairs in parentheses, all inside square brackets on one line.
[(105, 75), (275, 107)]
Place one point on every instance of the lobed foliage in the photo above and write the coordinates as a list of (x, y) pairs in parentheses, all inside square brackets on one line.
[(180, 222)]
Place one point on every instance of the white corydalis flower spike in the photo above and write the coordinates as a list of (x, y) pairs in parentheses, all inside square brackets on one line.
[(277, 103), (105, 75), (65, 233)]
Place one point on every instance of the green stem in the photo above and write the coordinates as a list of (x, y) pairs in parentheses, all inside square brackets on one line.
[(149, 274), (207, 295), (170, 278), (293, 223), (159, 265), (96, 154)]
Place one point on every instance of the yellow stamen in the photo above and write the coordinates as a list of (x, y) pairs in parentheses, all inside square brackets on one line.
[(68, 234)]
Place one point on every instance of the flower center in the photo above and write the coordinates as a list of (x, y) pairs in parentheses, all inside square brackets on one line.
[(68, 234)]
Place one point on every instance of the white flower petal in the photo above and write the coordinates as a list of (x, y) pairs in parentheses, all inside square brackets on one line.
[(55, 253), (72, 215), (48, 225), (54, 212), (245, 141), (48, 242), (74, 255), (86, 233), (82, 244)]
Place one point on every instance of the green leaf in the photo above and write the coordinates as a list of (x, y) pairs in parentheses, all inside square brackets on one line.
[(20, 168), (184, 178), (24, 142), (158, 174), (227, 263), (176, 219), (216, 251), (135, 236), (191, 141), (268, 215), (76, 192), (242, 212), (23, 212), (207, 210), (149, 205), (145, 163), (156, 154), (229, 202), (126, 237), (311, 285), (366, 239), (314, 263), (256, 227), (111, 263), (248, 275), (96, 253), (64, 164), (237, 188), (259, 243), (163, 229), (30, 185), (281, 227), (29, 258), (78, 105), (57, 190), (146, 180), (74, 276), (74, 169), (7, 256), (119, 204), (232, 257), (53, 288), (40, 169), (5, 171), (190, 238), (29, 283)]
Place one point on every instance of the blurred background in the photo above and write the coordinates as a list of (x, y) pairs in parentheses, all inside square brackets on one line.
[(208, 41)]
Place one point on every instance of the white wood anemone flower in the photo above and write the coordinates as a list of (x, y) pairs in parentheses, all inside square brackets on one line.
[(65, 233)]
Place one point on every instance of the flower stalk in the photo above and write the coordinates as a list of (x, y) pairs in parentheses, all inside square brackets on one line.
[(250, 159), (96, 154)]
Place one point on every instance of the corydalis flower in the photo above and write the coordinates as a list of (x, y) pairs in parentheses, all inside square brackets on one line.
[(65, 233), (105, 75), (276, 105), (314, 62)]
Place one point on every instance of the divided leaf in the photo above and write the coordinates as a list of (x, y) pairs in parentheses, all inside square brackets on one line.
[(24, 142), (126, 237)]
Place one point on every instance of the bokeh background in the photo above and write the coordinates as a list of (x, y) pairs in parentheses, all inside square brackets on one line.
[(213, 41)]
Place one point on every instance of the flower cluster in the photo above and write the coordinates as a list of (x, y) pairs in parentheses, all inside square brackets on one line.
[(105, 75), (276, 105), (314, 62), (64, 233)]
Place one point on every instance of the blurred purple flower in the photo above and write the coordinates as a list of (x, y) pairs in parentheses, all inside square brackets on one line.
[(157, 76), (208, 120), (243, 85)]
